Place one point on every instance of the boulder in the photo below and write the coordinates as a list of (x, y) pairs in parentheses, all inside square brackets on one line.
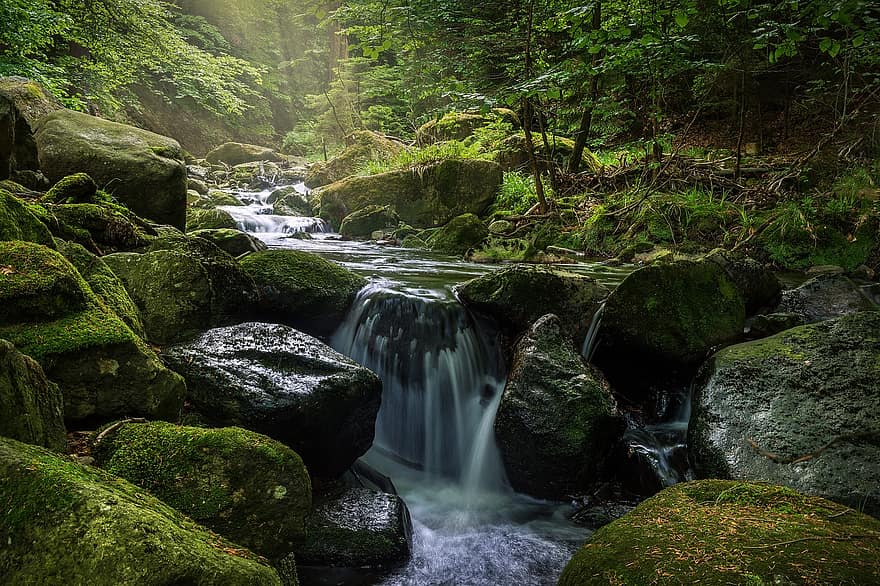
[(670, 315), (452, 126), (246, 487), (354, 530), (557, 422), (516, 296), (22, 103), (76, 188), (197, 185), (17, 222), (223, 198), (461, 234), (758, 286), (31, 407), (513, 154), (302, 289), (102, 228), (361, 147), (362, 223), (431, 195), (103, 369), (71, 524), (208, 219), (287, 201), (721, 532), (825, 297), (104, 283), (236, 153), (231, 241), (285, 384), (143, 170), (800, 409), (254, 176)]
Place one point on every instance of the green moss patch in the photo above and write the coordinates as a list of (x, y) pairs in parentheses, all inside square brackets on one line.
[(18, 222)]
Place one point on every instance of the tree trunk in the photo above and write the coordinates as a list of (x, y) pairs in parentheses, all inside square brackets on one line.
[(583, 133), (527, 117)]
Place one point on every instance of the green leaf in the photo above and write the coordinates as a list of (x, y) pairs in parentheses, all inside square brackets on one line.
[(858, 40), (835, 49), (681, 19)]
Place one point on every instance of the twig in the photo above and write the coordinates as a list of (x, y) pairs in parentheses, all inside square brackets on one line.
[(116, 426), (848, 437), (813, 538)]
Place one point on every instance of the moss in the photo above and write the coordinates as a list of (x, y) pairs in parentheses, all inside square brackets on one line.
[(461, 234), (233, 242), (362, 223), (243, 485), (101, 227), (121, 534), (236, 153), (208, 219), (722, 532), (18, 222), (222, 198), (76, 188), (361, 147)]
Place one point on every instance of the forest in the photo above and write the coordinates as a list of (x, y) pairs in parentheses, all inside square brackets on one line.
[(410, 292)]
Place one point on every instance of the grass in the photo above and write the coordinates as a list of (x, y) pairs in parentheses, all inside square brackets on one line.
[(433, 153)]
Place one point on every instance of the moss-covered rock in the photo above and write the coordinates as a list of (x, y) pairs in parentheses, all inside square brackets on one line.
[(365, 221), (717, 532), (513, 153), (223, 198), (287, 201), (808, 394), (451, 126), (283, 383), (231, 241), (65, 523), (208, 219), (255, 176), (104, 283), (557, 422), (361, 147), (825, 297), (670, 315), (366, 532), (31, 407), (17, 222), (197, 185), (103, 228), (461, 234), (104, 369), (22, 103), (518, 295), (758, 286), (302, 289), (76, 188), (143, 170), (236, 153), (430, 195), (245, 486)]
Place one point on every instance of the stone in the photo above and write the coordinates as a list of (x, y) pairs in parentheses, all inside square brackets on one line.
[(102, 228), (76, 188), (143, 170), (362, 223), (462, 234), (22, 103), (18, 222), (825, 297), (810, 392), (208, 219), (557, 421), (285, 384), (361, 147), (231, 241), (236, 153)]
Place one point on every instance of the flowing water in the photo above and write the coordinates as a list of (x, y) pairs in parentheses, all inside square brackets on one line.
[(443, 376)]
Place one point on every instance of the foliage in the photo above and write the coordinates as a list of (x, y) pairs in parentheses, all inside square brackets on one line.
[(441, 151)]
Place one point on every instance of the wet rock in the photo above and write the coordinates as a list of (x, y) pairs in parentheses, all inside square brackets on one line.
[(62, 513), (222, 198), (758, 286), (208, 219), (31, 407), (285, 384), (808, 394), (287, 201), (246, 487), (518, 295), (143, 170), (461, 234), (825, 297), (364, 222), (76, 188), (763, 326), (557, 422), (100, 227), (236, 153), (197, 185), (231, 241), (741, 533)]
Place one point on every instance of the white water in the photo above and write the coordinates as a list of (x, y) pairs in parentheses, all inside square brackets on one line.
[(256, 217)]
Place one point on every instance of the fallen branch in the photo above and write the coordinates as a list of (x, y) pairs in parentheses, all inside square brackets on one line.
[(114, 427)]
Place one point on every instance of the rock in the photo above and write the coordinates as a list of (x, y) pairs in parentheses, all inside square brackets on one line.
[(758, 286), (183, 286), (208, 219), (197, 185), (365, 221), (513, 153), (361, 147), (234, 242), (792, 394), (740, 533), (287, 201), (22, 103), (825, 297), (104, 283), (17, 222), (223, 198), (255, 176), (73, 524), (76, 188), (431, 196), (246, 487), (285, 384), (452, 126), (103, 228), (766, 325), (104, 370), (302, 289), (31, 407), (518, 295), (144, 171), (461, 234), (413, 241), (236, 153), (557, 422), (501, 227), (364, 532), (671, 314)]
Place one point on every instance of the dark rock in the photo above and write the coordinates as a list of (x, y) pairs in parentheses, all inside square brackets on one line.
[(825, 297), (758, 286), (462, 233), (76, 188), (236, 153), (362, 223), (17, 222), (231, 241), (285, 384), (22, 103)]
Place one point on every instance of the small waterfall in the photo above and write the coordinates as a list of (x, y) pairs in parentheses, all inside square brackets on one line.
[(442, 379), (589, 347), (256, 215)]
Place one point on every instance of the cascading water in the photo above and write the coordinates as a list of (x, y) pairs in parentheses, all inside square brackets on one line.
[(256, 217)]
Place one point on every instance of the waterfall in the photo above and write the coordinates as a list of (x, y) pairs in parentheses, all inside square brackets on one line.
[(442, 379), (256, 217), (589, 347)]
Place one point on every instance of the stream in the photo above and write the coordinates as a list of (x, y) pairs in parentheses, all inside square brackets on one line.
[(443, 376)]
